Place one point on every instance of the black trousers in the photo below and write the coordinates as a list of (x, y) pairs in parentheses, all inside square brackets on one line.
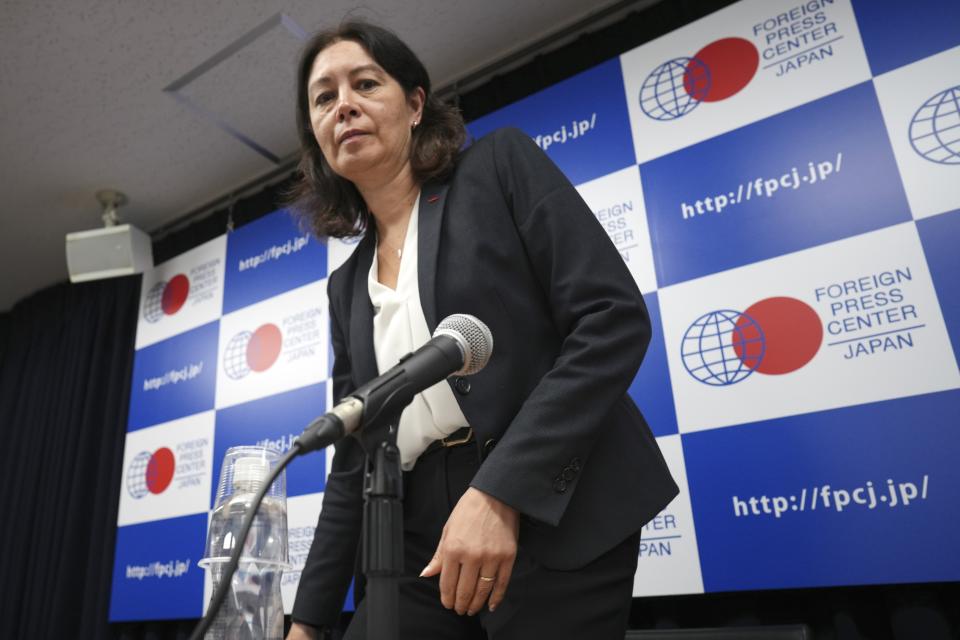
[(591, 602)]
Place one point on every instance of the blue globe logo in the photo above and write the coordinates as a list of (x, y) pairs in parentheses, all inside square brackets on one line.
[(137, 475), (675, 88), (235, 356), (711, 345), (935, 128), (153, 303)]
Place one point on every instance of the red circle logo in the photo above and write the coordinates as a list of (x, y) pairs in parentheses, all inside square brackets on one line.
[(160, 470), (732, 63), (264, 347), (175, 294), (792, 335)]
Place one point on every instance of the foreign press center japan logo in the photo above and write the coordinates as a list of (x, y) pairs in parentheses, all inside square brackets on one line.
[(716, 72), (150, 472), (773, 336), (935, 128), (252, 351), (166, 298)]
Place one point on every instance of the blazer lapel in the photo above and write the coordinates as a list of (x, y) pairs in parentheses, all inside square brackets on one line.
[(362, 356), (432, 199)]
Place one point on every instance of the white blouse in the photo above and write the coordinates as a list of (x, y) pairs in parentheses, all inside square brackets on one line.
[(400, 327)]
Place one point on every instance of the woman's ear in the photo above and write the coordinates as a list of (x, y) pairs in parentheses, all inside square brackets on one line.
[(415, 101)]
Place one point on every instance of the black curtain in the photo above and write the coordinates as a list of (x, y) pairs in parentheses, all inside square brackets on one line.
[(65, 366)]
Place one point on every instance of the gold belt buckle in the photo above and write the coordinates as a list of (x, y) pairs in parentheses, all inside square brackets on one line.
[(453, 443)]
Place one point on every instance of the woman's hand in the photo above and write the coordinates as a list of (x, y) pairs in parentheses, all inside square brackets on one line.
[(478, 541), (302, 632)]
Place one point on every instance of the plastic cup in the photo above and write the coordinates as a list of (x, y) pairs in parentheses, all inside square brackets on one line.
[(243, 471)]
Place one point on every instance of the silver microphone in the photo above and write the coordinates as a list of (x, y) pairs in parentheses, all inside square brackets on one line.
[(461, 345)]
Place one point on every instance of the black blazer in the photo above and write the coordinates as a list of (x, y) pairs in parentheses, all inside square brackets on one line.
[(509, 240)]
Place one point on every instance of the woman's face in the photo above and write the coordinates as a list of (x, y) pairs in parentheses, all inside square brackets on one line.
[(360, 115)]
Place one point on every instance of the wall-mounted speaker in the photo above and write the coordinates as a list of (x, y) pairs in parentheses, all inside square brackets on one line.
[(109, 252)]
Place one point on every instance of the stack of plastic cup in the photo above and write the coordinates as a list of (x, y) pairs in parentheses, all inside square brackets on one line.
[(253, 607)]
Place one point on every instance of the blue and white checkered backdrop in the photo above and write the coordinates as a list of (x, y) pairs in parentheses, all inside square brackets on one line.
[(783, 180)]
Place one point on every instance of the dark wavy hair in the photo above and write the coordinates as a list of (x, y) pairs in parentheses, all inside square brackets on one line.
[(331, 205)]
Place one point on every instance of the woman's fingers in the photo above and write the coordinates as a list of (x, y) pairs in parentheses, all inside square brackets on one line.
[(500, 586), (480, 535), (433, 567), (449, 578), (486, 578), (436, 564), (466, 586), (302, 632)]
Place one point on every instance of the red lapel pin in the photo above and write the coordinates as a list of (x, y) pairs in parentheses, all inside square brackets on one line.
[(433, 199)]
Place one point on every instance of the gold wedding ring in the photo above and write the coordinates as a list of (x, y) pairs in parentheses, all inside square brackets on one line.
[(486, 579)]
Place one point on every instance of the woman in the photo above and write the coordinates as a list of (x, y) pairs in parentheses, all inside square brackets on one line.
[(527, 484)]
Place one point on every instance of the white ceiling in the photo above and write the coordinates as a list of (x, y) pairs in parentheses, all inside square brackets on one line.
[(85, 101)]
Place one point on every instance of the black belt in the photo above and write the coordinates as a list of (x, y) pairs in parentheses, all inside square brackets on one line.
[(463, 435)]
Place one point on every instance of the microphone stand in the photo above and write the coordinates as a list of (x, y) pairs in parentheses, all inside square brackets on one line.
[(382, 538), (384, 399)]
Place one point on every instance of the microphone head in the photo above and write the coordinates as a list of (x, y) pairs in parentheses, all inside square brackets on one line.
[(474, 338)]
